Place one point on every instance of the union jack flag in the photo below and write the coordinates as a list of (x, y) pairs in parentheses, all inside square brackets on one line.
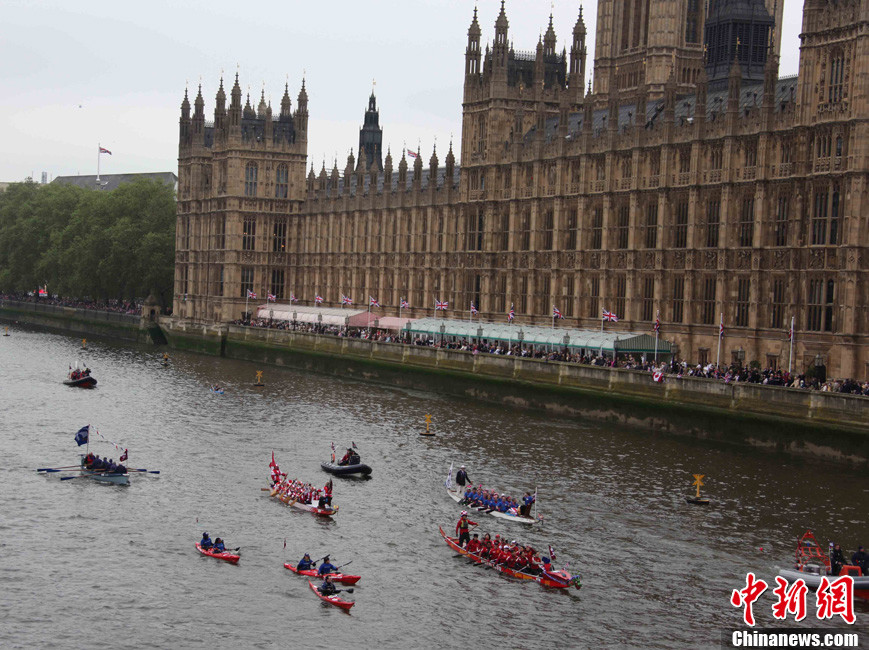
[(608, 315), (791, 332), (404, 304), (293, 298), (345, 300), (373, 302), (721, 329), (552, 554), (441, 305), (272, 298), (251, 294), (556, 313), (511, 314), (657, 326), (318, 299), (474, 310)]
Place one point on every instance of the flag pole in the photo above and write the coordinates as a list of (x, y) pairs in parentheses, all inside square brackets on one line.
[(791, 355), (99, 146), (600, 354), (718, 357), (246, 298), (657, 317)]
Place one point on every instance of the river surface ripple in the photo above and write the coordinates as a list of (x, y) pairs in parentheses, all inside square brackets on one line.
[(81, 563)]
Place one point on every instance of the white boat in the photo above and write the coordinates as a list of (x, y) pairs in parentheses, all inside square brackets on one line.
[(105, 477), (295, 503), (457, 496)]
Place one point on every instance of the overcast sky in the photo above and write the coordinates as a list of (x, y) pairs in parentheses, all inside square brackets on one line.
[(80, 72)]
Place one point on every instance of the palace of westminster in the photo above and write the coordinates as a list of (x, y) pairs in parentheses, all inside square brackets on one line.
[(688, 183)]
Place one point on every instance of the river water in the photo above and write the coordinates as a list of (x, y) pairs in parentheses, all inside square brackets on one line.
[(82, 563)]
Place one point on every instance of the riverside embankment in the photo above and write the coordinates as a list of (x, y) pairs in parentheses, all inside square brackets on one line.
[(811, 423), (83, 322)]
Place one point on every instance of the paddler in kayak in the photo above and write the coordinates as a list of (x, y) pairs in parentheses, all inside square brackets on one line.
[(218, 546), (327, 567), (462, 528), (306, 563), (205, 543), (328, 587)]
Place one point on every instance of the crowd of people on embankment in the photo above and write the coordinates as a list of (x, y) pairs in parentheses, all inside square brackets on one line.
[(118, 306), (675, 368)]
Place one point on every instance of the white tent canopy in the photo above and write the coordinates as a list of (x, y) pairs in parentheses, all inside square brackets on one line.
[(304, 314), (558, 337)]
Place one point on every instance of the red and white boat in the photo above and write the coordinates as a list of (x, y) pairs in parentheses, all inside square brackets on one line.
[(328, 511), (343, 578), (813, 563), (333, 599), (553, 579), (226, 556)]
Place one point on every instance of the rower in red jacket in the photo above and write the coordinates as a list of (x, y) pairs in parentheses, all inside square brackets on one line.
[(462, 529)]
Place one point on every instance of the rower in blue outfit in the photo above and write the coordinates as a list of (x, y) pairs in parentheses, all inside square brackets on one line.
[(306, 563), (328, 587), (205, 543), (327, 567), (218, 546)]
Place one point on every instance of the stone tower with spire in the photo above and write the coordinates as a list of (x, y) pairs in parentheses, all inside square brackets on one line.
[(371, 135), (240, 180), (508, 91)]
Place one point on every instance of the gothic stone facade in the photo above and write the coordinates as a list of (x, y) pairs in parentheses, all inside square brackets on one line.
[(639, 197)]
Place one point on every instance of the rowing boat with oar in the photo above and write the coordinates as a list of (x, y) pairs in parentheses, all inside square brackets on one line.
[(328, 511), (457, 496), (553, 579)]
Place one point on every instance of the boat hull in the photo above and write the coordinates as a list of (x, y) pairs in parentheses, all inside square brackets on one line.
[(343, 578), (289, 501), (81, 382), (457, 497), (360, 469), (813, 581), (332, 600), (226, 556), (106, 477), (552, 579)]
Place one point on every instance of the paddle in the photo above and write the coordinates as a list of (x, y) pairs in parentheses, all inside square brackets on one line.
[(343, 565), (55, 469), (149, 471), (69, 478)]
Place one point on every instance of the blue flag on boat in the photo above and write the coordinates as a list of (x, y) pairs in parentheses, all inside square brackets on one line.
[(81, 437)]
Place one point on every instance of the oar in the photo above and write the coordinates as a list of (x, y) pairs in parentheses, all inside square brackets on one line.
[(71, 469), (149, 471), (55, 469), (69, 478)]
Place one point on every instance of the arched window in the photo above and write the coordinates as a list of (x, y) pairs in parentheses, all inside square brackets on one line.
[(837, 77), (250, 174), (282, 182)]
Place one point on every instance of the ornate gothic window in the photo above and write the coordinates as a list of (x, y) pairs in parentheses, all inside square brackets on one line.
[(678, 299), (248, 235), (743, 293), (648, 299), (776, 320), (621, 292), (623, 227), (713, 223), (837, 77), (282, 183), (651, 224), (680, 226), (597, 229), (250, 174), (819, 313), (707, 300), (279, 235), (594, 297), (781, 220), (746, 224), (547, 231), (278, 283), (246, 280), (570, 244)]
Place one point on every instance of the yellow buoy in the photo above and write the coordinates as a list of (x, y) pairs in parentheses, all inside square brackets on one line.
[(84, 343), (427, 431), (259, 379), (697, 499)]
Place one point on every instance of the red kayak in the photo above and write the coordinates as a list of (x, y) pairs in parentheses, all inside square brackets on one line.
[(226, 556), (343, 578), (332, 600)]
